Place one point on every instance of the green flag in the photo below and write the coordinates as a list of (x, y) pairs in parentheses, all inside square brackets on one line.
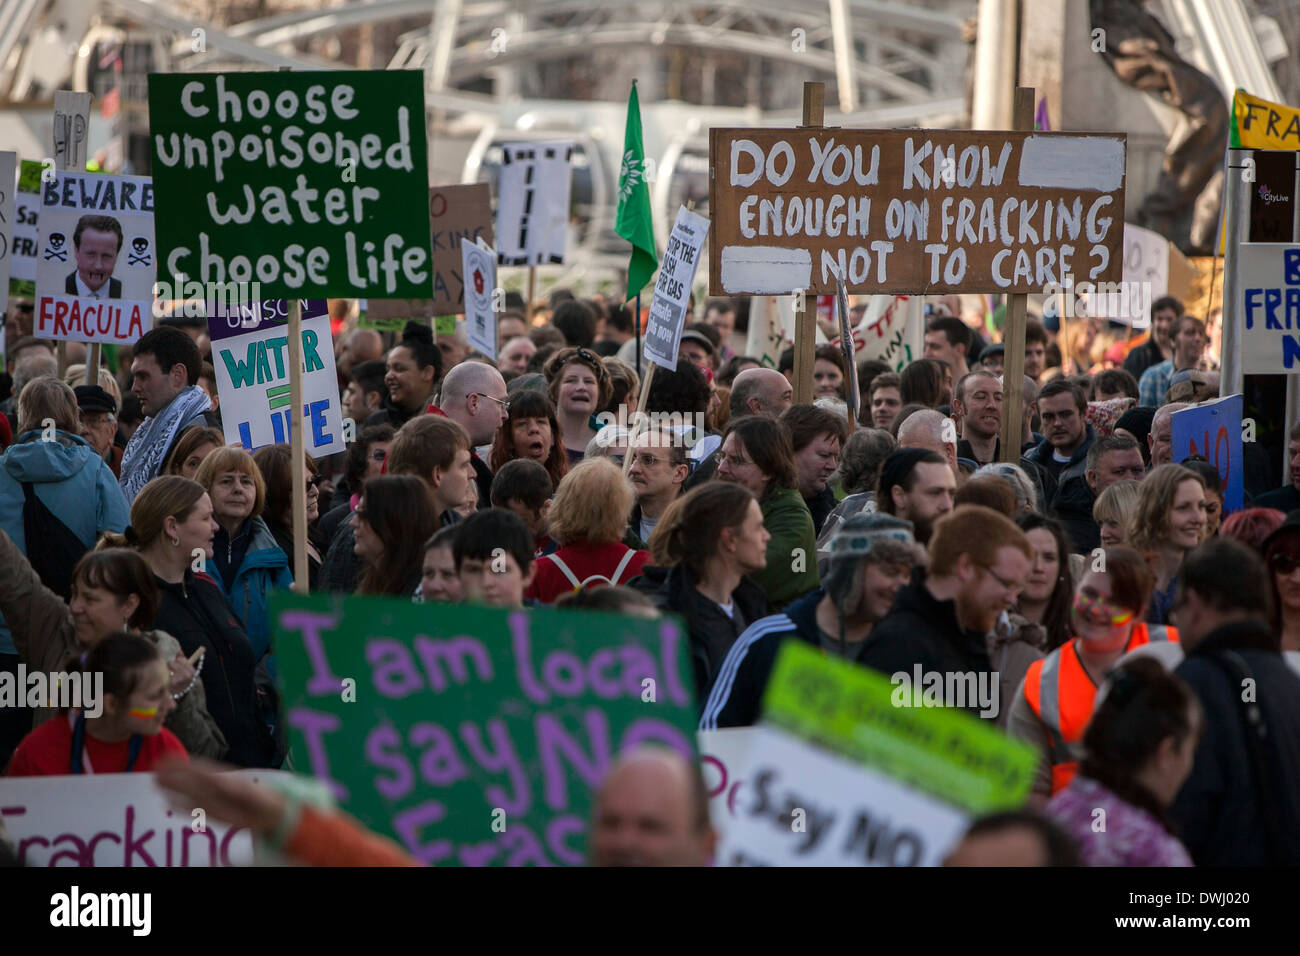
[(633, 220)]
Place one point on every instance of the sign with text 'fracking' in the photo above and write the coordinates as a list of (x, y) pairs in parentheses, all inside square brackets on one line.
[(250, 352), (1269, 307), (913, 210), (313, 184), (475, 736)]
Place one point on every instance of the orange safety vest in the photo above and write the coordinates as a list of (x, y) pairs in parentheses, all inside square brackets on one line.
[(1061, 694)]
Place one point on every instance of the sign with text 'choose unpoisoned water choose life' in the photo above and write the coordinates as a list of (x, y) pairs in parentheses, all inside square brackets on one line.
[(313, 184), (913, 210), (250, 352), (471, 735)]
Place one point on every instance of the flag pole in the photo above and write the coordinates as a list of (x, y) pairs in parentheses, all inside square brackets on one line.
[(636, 321)]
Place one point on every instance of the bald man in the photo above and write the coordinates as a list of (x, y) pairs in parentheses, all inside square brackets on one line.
[(652, 810), (932, 430), (363, 345), (474, 394), (760, 391)]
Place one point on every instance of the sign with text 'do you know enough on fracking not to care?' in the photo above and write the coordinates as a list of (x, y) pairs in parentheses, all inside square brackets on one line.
[(913, 210), (475, 736), (95, 275), (673, 288), (313, 184), (250, 352)]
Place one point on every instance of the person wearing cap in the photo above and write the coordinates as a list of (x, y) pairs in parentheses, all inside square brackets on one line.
[(993, 358), (1286, 498), (1188, 336), (940, 621), (871, 558), (99, 424), (917, 485), (697, 348)]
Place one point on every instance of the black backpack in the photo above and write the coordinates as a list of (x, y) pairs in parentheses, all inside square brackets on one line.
[(53, 549)]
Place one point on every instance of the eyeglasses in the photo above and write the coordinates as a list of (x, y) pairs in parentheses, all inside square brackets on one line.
[(732, 460), (1084, 603), (1284, 563), (504, 405), (647, 460), (1008, 585)]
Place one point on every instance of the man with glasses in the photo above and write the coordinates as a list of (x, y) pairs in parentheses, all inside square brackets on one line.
[(474, 394), (99, 423), (657, 473), (938, 626)]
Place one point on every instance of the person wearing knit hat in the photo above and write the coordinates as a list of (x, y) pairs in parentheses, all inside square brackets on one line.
[(1136, 424), (872, 556), (918, 485)]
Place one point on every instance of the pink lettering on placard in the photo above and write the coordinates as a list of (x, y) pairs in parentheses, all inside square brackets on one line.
[(314, 725), (408, 825), (225, 843), (212, 845), (556, 831), (135, 847), (311, 623), (553, 740)]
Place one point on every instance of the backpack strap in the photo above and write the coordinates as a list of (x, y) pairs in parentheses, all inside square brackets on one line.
[(622, 566), (564, 569)]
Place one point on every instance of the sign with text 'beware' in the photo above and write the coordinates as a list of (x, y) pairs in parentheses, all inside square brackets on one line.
[(912, 210)]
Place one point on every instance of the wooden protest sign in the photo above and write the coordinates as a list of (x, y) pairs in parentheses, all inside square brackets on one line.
[(473, 735), (1013, 330), (314, 184), (8, 183), (95, 277), (71, 129), (912, 210)]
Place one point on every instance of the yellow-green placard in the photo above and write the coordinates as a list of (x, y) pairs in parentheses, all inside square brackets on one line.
[(1260, 124), (863, 715)]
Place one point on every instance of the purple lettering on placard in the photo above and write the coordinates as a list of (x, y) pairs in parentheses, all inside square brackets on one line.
[(477, 854), (377, 743), (311, 624), (553, 738), (556, 831), (669, 635), (563, 672), (519, 638), (314, 725), (527, 849), (504, 760), (456, 655), (392, 668), (600, 686), (440, 764), (408, 825), (658, 731)]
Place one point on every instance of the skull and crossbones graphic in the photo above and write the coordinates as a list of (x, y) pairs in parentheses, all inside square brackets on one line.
[(139, 255), (56, 248)]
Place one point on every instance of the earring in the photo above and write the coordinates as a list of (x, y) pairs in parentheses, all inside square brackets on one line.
[(174, 542)]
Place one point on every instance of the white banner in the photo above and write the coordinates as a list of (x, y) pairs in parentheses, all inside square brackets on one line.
[(95, 277), (478, 264), (803, 806), (724, 760), (113, 819), (533, 203), (1269, 307), (673, 288)]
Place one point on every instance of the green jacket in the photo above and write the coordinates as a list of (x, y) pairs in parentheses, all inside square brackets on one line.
[(791, 570)]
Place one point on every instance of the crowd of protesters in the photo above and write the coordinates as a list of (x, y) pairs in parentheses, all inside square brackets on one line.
[(1090, 580)]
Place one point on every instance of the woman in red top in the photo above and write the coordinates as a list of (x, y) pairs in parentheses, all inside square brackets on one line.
[(121, 730), (588, 517)]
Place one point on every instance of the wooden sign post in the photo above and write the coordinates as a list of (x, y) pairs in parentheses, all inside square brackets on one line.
[(805, 317), (299, 460), (1013, 331), (71, 131)]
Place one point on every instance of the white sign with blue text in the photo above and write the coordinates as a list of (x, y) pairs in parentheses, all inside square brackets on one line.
[(1269, 308)]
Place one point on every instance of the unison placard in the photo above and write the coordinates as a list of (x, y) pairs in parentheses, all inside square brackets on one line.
[(913, 210)]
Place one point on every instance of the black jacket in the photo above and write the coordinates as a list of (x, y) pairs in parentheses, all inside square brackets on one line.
[(1217, 814), (196, 613), (737, 695), (391, 414), (1068, 495), (922, 631), (820, 506), (341, 570), (483, 477), (1285, 499), (1142, 358), (711, 632)]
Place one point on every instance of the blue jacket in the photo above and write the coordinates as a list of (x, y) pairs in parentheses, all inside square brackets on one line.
[(71, 480), (264, 568)]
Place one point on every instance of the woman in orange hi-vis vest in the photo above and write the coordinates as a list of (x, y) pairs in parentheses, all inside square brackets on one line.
[(1054, 703)]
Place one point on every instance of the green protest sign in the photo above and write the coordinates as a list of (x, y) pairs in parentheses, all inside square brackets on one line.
[(311, 184), (862, 714), (474, 735)]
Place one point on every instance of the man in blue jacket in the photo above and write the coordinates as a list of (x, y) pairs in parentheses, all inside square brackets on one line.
[(872, 556), (76, 488), (1062, 459)]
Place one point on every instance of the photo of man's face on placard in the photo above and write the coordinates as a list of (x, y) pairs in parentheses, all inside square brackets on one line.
[(96, 242)]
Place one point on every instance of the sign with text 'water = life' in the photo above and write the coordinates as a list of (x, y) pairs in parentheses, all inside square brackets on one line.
[(673, 288), (1269, 307), (1213, 431), (475, 736), (850, 773), (913, 210), (95, 277), (313, 184), (250, 352), (533, 203)]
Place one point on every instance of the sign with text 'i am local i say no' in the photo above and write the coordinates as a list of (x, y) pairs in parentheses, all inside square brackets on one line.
[(250, 352), (475, 736), (313, 184), (913, 210)]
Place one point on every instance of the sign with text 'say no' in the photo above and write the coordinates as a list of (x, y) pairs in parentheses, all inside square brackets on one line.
[(475, 736), (250, 352), (913, 210), (313, 184)]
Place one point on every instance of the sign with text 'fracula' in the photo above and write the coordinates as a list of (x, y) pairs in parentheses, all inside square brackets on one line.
[(250, 352), (95, 277), (475, 736), (313, 184), (912, 210)]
